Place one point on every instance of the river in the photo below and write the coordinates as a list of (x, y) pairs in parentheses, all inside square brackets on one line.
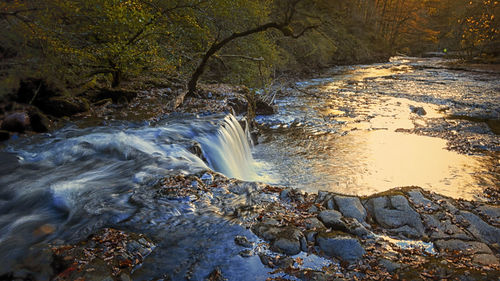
[(356, 130)]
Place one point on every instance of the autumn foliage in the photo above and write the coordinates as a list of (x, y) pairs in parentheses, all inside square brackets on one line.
[(81, 43)]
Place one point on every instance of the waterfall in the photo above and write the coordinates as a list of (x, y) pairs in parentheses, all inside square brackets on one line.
[(228, 151)]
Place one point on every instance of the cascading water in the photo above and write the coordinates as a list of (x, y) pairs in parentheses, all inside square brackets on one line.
[(228, 151), (77, 180)]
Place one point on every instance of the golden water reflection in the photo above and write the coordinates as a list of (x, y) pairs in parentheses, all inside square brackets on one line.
[(368, 162)]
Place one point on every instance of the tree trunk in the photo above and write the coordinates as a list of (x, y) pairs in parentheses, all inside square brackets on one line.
[(117, 78), (216, 46)]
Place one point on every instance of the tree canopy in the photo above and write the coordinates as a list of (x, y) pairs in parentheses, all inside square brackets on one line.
[(79, 42)]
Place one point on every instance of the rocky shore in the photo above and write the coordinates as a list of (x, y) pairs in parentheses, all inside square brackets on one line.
[(405, 233)]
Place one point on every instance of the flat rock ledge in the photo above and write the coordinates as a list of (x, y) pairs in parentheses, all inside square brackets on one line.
[(404, 233)]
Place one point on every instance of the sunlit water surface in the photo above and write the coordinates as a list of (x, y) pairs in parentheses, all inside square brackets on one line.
[(351, 131)]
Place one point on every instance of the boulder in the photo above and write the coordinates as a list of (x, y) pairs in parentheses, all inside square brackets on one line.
[(16, 122), (263, 108), (238, 104), (332, 219), (64, 106), (480, 229), (466, 247), (439, 226), (356, 228), (342, 247), (35, 90), (485, 259), (490, 211), (313, 223), (288, 240), (325, 198), (195, 148), (391, 266), (243, 241), (395, 214), (418, 110), (39, 122), (116, 95), (351, 207), (420, 200), (246, 187)]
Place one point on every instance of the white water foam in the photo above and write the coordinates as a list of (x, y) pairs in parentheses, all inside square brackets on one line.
[(228, 151)]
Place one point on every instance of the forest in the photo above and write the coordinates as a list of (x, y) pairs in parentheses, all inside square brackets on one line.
[(83, 44)]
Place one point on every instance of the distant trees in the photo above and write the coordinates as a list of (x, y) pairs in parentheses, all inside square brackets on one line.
[(480, 27), (82, 42)]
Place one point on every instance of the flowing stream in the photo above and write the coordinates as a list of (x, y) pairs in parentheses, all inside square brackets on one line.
[(366, 129), (356, 130)]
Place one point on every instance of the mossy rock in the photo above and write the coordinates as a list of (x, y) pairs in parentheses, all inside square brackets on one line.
[(37, 90), (64, 106)]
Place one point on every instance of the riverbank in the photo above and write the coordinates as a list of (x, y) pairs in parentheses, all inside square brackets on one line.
[(405, 233)]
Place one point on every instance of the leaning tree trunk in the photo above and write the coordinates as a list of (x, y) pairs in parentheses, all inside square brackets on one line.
[(193, 82)]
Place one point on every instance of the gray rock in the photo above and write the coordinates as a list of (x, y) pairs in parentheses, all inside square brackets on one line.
[(207, 178), (466, 247), (343, 247), (313, 275), (356, 228), (448, 205), (279, 261), (265, 231), (246, 253), (286, 246), (419, 200), (312, 209), (395, 214), (480, 229), (311, 236), (490, 211), (332, 219), (443, 228), (285, 194), (329, 204), (485, 259), (124, 277), (15, 122), (303, 243), (351, 207), (288, 241), (321, 196), (285, 240), (418, 110), (246, 187), (243, 241), (39, 122), (313, 223), (391, 266)]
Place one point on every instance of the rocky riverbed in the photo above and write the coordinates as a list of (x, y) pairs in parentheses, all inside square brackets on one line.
[(405, 233)]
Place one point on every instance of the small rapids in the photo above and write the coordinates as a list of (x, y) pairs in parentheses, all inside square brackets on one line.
[(65, 185)]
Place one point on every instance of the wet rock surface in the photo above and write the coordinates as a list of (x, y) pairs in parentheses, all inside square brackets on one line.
[(395, 214), (340, 246), (293, 238)]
